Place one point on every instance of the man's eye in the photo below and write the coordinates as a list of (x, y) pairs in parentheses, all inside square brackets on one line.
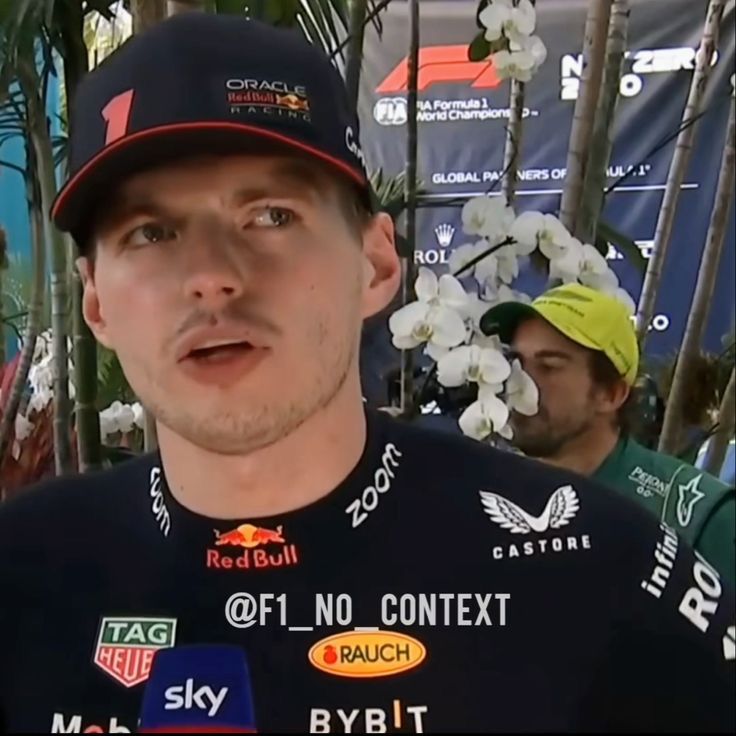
[(151, 232), (273, 217)]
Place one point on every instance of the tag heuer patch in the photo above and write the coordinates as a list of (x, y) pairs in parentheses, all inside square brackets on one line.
[(125, 646)]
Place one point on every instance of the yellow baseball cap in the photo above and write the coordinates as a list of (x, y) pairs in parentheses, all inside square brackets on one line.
[(588, 317)]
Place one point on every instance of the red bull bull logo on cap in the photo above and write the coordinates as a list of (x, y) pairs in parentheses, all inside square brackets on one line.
[(250, 537)]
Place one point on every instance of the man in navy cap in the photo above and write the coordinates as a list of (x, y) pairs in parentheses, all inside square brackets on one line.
[(229, 254)]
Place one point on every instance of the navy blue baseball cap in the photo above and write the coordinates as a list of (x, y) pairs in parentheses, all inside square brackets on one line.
[(204, 83)]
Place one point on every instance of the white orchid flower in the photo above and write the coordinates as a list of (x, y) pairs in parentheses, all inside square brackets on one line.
[(488, 217), (568, 266), (417, 323), (437, 318), (501, 17), (109, 420), (472, 364), (536, 230), (625, 298), (138, 417), (492, 342), (494, 16), (621, 294), (501, 293), (482, 270), (507, 432), (126, 418), (532, 45), (483, 417), (118, 417), (594, 268), (508, 264), (517, 65), (522, 394), (476, 309)]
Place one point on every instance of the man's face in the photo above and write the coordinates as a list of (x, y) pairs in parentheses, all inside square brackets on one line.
[(233, 292), (569, 402)]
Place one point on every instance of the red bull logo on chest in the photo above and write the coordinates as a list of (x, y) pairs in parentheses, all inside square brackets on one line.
[(261, 548)]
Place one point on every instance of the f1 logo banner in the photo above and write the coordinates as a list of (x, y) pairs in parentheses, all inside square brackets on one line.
[(462, 111), (439, 64)]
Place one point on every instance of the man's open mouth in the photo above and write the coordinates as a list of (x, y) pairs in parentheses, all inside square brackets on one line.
[(219, 351)]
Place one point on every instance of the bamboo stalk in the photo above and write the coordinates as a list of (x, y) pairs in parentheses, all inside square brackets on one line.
[(718, 445), (512, 148), (678, 167), (594, 52), (30, 84), (594, 181), (84, 344), (358, 11), (704, 288), (410, 183)]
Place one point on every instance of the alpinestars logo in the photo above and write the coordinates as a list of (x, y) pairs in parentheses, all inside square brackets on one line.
[(561, 508), (688, 496)]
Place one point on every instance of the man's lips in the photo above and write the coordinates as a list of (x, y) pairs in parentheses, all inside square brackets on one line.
[(206, 341)]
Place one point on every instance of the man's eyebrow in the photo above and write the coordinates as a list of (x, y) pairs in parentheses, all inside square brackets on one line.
[(296, 177), (552, 354), (126, 207)]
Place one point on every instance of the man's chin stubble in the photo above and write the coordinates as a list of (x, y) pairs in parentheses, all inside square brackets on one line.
[(245, 433)]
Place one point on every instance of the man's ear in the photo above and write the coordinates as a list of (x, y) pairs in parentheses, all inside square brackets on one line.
[(91, 309), (613, 396), (382, 267)]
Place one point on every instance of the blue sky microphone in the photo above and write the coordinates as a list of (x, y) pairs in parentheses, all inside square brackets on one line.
[(198, 689)]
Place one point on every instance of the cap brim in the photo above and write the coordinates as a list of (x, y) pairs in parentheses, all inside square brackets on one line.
[(503, 319), (86, 190)]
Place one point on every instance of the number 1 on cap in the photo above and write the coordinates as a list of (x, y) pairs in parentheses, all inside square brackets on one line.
[(117, 115)]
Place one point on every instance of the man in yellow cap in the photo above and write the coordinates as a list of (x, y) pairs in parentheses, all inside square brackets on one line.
[(579, 345)]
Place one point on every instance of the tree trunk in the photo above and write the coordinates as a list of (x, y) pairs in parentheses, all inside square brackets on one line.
[(147, 13), (84, 345), (30, 83), (35, 305), (718, 445), (678, 167), (704, 288), (358, 10), (594, 181), (512, 149), (410, 183), (594, 54)]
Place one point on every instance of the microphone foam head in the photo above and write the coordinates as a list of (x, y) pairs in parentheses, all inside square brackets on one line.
[(200, 689)]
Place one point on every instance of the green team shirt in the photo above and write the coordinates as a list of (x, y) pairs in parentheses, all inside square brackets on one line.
[(697, 505)]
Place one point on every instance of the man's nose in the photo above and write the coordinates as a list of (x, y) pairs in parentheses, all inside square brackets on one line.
[(214, 275)]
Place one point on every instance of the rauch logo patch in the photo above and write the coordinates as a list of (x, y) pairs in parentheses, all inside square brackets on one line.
[(126, 646), (367, 654)]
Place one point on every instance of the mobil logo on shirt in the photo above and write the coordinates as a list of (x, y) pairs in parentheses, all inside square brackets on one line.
[(255, 548), (62, 723)]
